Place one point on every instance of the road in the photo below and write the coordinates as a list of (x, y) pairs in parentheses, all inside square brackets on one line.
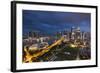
[(29, 58)]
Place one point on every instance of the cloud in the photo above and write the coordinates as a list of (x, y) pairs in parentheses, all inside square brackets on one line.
[(47, 21)]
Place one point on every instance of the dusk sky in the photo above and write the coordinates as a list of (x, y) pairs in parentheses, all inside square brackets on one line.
[(51, 21)]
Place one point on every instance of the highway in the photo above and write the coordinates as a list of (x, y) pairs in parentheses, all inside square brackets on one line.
[(29, 58)]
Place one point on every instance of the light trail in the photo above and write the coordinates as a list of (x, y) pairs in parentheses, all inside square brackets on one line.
[(29, 58)]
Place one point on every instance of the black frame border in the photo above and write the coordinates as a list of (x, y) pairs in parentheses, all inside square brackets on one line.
[(13, 35)]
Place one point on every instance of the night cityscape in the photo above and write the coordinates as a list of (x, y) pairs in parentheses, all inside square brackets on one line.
[(56, 36)]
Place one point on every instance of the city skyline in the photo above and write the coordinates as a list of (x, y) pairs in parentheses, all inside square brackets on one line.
[(51, 22), (56, 36)]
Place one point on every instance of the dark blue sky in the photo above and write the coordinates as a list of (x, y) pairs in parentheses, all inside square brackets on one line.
[(51, 21)]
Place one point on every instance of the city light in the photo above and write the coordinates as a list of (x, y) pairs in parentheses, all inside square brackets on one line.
[(37, 46), (72, 45)]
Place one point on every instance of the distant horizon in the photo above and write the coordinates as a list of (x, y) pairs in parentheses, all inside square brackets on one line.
[(50, 21)]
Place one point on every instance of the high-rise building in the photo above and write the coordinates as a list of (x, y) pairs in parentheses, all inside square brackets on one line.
[(73, 29), (34, 34), (77, 33), (73, 33)]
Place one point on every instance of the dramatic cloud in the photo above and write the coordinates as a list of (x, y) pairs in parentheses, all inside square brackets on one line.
[(50, 22)]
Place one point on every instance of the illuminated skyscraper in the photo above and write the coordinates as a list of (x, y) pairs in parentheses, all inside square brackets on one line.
[(73, 33), (77, 33)]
